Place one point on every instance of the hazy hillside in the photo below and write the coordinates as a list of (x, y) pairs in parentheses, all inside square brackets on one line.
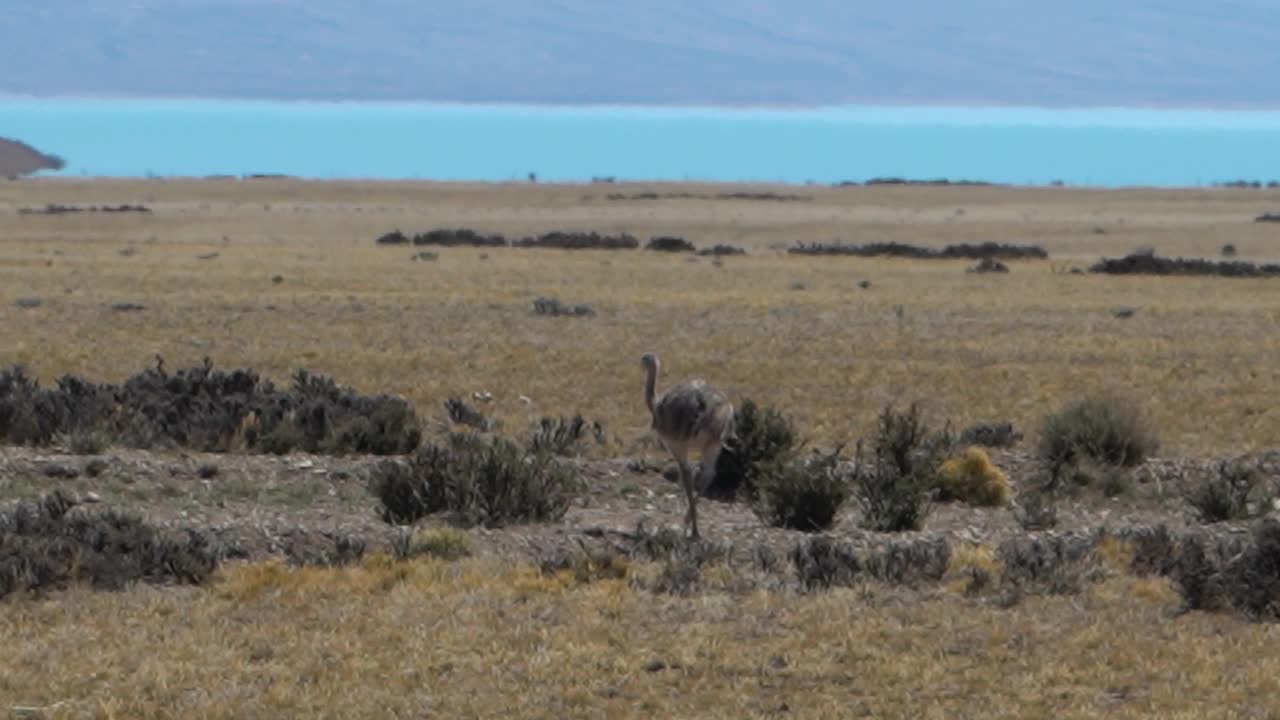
[(18, 158), (662, 51)]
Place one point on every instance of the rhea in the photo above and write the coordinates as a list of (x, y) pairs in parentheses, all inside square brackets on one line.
[(691, 417)]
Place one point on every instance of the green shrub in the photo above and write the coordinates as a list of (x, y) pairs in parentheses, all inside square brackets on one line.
[(1236, 491), (801, 494), (894, 479), (1100, 429), (479, 481), (761, 436)]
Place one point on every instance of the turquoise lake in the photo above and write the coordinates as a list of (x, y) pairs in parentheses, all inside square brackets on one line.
[(138, 138)]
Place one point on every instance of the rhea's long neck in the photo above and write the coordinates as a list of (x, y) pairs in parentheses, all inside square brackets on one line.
[(650, 386)]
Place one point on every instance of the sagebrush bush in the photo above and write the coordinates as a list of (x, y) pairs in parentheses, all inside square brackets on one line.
[(563, 436), (1104, 430), (47, 543), (971, 478), (478, 480), (761, 436), (1235, 491), (402, 489), (1244, 577), (207, 410), (803, 494), (896, 475)]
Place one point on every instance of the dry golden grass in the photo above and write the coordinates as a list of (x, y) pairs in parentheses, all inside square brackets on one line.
[(1198, 354), (480, 639)]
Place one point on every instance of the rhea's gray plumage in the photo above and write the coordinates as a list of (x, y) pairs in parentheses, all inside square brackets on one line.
[(691, 416)]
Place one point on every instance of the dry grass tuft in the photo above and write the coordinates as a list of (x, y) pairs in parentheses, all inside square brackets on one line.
[(971, 477)]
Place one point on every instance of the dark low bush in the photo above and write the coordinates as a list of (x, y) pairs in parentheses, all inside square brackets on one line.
[(966, 251), (457, 237), (822, 563), (580, 241), (719, 250), (395, 237), (669, 244), (461, 413), (1148, 263), (778, 197), (803, 494), (761, 436), (55, 209), (1235, 491), (552, 307), (208, 410), (993, 435), (49, 544)]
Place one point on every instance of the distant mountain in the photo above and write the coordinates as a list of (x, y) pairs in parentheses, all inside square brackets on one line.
[(18, 158), (1086, 52)]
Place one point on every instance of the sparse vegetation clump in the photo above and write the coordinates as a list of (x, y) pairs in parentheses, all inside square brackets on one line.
[(965, 251), (989, 265), (667, 243), (580, 241), (822, 563), (972, 478), (458, 237), (1235, 491), (1101, 430), (761, 436), (896, 476), (476, 480), (1146, 262), (802, 494), (48, 543), (564, 436), (460, 412), (720, 249), (395, 237), (444, 543), (56, 209), (552, 307), (992, 435)]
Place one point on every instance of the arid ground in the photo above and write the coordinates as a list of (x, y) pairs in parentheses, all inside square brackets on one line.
[(280, 274)]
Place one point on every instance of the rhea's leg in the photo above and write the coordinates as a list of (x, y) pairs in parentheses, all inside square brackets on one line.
[(687, 481)]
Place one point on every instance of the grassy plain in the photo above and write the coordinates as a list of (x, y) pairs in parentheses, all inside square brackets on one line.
[(794, 331), (479, 638)]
